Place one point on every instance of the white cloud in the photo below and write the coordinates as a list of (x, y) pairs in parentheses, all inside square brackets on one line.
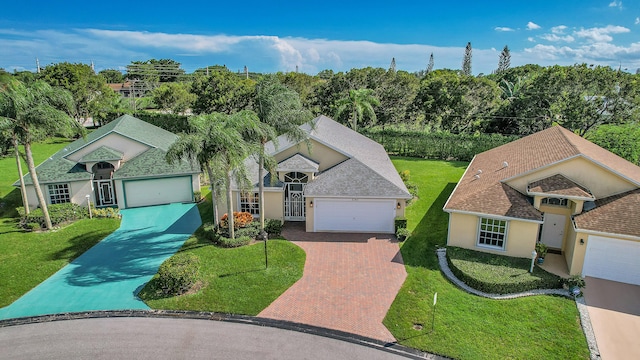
[(556, 38), (532, 26), (637, 21), (531, 39), (501, 28), (601, 34), (617, 4), (558, 29)]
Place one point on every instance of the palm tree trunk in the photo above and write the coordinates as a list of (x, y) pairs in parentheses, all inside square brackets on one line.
[(23, 189), (216, 219), (36, 184), (261, 188), (230, 220)]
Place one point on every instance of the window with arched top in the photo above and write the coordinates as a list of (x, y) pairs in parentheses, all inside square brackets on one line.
[(296, 177)]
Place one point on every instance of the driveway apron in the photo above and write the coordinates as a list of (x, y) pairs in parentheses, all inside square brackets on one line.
[(614, 309), (109, 275), (349, 283)]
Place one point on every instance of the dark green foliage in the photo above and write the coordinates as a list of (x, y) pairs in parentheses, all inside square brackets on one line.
[(497, 274), (273, 227), (233, 243), (405, 175), (400, 223), (171, 122), (252, 230), (622, 140), (436, 145), (402, 234), (178, 274), (60, 213)]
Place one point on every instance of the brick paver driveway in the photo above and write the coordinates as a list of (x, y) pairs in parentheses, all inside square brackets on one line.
[(349, 282)]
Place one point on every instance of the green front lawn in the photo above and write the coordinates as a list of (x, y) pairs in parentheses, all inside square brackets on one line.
[(27, 259), (468, 326), (234, 280)]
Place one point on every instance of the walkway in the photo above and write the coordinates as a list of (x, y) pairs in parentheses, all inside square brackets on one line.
[(349, 282), (109, 275)]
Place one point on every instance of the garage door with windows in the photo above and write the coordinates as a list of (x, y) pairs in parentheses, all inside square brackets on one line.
[(612, 259), (354, 215), (148, 192)]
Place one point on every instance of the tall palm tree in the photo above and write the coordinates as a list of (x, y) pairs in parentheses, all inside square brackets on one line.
[(360, 104), (280, 111), (35, 112), (217, 143)]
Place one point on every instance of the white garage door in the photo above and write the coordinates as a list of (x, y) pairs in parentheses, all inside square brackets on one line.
[(157, 191), (350, 215), (612, 259)]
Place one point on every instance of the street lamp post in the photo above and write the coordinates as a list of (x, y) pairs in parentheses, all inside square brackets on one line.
[(89, 205)]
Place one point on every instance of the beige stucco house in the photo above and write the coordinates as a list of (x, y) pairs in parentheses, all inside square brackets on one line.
[(337, 180), (557, 188), (120, 164)]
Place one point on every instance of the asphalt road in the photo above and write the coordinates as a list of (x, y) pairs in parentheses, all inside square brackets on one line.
[(158, 338)]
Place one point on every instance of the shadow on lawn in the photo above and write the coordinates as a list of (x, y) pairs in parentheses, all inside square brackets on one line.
[(419, 249)]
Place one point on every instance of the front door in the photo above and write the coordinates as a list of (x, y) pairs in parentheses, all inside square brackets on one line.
[(553, 230), (104, 193), (294, 202)]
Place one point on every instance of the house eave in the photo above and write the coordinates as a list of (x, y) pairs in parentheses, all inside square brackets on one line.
[(493, 216), (560, 196), (602, 233)]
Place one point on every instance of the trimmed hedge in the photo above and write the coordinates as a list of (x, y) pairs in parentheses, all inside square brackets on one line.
[(497, 274), (435, 145), (232, 243), (59, 213), (273, 227), (178, 274)]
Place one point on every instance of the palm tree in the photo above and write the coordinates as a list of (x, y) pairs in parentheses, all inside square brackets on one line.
[(360, 103), (280, 111), (217, 143), (32, 113)]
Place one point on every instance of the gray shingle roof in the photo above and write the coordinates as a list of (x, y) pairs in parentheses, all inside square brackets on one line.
[(298, 162), (152, 163), (374, 166)]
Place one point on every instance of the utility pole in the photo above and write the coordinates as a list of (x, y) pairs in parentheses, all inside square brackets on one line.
[(246, 72), (38, 65)]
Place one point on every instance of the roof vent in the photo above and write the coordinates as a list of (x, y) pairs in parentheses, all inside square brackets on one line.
[(505, 164), (479, 172), (476, 176)]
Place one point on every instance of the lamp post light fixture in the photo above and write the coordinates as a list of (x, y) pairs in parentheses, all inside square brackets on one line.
[(89, 205), (533, 259)]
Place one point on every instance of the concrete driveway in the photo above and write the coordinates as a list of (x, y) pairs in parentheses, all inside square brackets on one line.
[(349, 282), (109, 275), (614, 309)]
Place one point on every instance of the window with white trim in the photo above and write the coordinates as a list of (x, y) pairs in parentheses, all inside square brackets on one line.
[(59, 193), (249, 202), (492, 233), (555, 202)]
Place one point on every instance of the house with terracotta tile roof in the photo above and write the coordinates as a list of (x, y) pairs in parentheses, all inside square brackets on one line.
[(336, 180), (556, 188)]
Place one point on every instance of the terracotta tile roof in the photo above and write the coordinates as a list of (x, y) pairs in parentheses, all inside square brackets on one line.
[(480, 183), (558, 184), (616, 214)]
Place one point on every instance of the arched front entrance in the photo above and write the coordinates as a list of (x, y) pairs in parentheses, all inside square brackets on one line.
[(103, 184), (294, 207)]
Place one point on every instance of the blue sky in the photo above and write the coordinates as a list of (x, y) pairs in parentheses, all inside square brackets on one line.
[(269, 36)]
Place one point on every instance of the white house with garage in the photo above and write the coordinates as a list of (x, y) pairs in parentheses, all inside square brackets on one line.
[(336, 180), (556, 188), (120, 164)]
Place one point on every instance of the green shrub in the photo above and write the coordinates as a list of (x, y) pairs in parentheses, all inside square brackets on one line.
[(178, 274), (496, 274), (402, 234), (273, 227), (58, 213), (252, 230), (107, 212), (226, 242), (197, 196), (400, 223), (32, 226)]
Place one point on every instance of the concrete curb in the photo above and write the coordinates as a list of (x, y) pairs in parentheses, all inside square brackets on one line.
[(243, 319), (585, 321)]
